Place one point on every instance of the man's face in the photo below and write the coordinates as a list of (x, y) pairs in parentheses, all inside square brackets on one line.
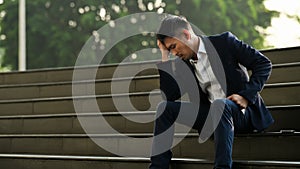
[(179, 47)]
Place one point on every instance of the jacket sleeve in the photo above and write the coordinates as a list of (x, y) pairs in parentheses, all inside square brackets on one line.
[(253, 60), (168, 85)]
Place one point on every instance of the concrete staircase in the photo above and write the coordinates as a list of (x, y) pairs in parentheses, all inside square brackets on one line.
[(39, 127)]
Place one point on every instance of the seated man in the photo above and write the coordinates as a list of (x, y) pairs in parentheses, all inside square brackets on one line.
[(208, 57)]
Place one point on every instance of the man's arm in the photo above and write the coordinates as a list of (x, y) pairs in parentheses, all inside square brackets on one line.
[(164, 51), (168, 84), (256, 62)]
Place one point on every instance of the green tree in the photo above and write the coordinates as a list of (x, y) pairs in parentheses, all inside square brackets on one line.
[(242, 17), (57, 30)]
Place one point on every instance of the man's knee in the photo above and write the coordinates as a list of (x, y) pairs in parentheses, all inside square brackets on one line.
[(228, 103), (225, 105)]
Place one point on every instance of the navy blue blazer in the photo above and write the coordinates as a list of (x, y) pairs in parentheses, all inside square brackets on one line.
[(229, 55)]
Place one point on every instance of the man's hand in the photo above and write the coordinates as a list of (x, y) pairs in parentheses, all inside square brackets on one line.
[(164, 51), (239, 100)]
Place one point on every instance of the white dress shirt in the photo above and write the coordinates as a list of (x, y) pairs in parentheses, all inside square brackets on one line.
[(207, 79)]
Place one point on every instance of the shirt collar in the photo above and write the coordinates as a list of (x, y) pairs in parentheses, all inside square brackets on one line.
[(201, 48)]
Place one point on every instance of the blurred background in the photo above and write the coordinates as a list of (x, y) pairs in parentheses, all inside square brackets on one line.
[(56, 30)]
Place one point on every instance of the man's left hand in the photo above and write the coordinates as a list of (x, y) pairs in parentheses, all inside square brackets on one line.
[(239, 100)]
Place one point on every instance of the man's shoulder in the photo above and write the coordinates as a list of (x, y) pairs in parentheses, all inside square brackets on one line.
[(220, 39), (226, 34)]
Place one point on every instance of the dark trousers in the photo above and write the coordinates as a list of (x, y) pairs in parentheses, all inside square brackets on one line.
[(231, 120)]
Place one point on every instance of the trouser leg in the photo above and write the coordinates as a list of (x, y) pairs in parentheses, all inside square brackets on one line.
[(167, 114), (232, 119)]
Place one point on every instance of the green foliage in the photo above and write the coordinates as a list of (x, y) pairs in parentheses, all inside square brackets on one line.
[(3, 69), (238, 16), (58, 29)]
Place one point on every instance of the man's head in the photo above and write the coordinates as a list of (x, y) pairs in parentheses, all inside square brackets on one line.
[(171, 26), (176, 34)]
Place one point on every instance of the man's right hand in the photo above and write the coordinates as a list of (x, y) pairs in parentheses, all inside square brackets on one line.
[(164, 51)]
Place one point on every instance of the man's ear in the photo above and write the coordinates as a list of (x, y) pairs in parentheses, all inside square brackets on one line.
[(186, 34), (163, 43)]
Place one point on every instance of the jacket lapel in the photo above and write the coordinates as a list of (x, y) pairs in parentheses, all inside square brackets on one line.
[(215, 62)]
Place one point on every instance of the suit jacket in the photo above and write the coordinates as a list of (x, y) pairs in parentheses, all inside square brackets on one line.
[(230, 59)]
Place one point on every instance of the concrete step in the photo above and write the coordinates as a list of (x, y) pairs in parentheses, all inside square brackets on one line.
[(284, 55), (239, 164), (22, 161), (64, 89), (25, 161), (140, 102), (82, 73), (69, 123), (273, 94), (287, 72), (281, 94), (267, 146), (277, 56), (280, 73), (286, 118)]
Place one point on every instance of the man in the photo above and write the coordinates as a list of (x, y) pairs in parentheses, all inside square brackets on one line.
[(243, 109)]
